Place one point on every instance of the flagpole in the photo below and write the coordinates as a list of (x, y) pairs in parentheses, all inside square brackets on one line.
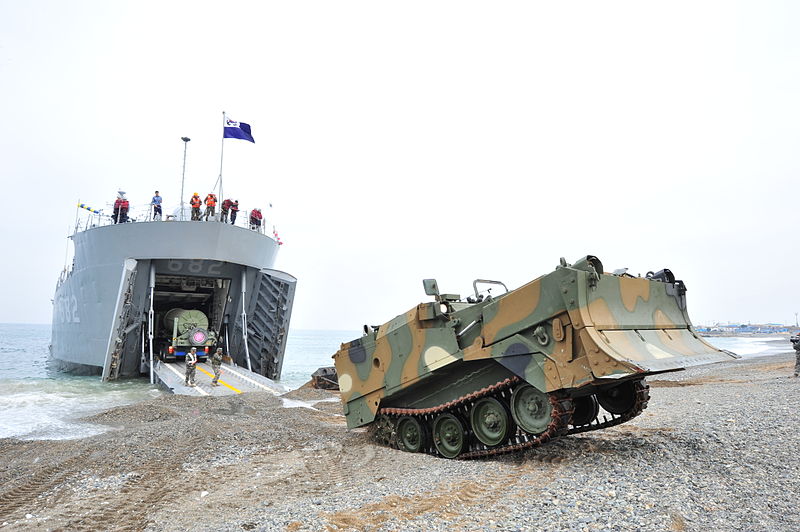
[(221, 153), (183, 175)]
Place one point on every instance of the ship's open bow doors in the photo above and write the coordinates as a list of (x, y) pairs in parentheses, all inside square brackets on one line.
[(268, 309)]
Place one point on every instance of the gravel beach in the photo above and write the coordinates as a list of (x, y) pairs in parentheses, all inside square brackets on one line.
[(717, 449)]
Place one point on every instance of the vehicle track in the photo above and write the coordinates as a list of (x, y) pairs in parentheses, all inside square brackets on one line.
[(41, 481), (333, 468), (132, 506), (449, 500), (384, 428)]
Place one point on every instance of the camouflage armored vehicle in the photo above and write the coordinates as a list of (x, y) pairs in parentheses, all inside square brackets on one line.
[(563, 354)]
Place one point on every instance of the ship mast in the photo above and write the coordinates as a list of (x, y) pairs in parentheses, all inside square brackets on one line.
[(183, 175)]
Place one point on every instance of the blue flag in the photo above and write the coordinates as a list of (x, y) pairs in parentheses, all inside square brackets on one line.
[(237, 130)]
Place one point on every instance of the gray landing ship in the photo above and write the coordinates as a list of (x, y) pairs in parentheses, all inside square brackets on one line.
[(141, 292)]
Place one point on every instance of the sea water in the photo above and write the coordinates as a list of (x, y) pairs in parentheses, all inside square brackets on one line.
[(39, 402)]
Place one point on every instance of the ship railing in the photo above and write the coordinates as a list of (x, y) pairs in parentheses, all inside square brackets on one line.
[(143, 213)]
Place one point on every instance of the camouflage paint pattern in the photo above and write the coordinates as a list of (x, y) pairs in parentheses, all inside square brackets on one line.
[(574, 329)]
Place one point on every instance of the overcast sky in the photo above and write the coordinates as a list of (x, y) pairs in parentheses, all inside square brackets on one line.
[(405, 140)]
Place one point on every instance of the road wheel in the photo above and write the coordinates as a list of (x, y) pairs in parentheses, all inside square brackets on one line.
[(411, 435), (449, 435), (490, 421), (531, 409)]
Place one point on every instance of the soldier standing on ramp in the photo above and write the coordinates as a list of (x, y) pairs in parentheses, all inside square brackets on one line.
[(191, 367), (216, 365)]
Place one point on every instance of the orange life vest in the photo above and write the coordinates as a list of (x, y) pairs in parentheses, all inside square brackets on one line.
[(195, 201), (211, 200)]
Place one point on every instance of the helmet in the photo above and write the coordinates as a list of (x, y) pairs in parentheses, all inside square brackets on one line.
[(195, 193)]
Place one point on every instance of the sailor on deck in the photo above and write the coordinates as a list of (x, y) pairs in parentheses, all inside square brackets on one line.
[(156, 203), (255, 219), (121, 208), (234, 211), (195, 203), (224, 209), (211, 204)]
